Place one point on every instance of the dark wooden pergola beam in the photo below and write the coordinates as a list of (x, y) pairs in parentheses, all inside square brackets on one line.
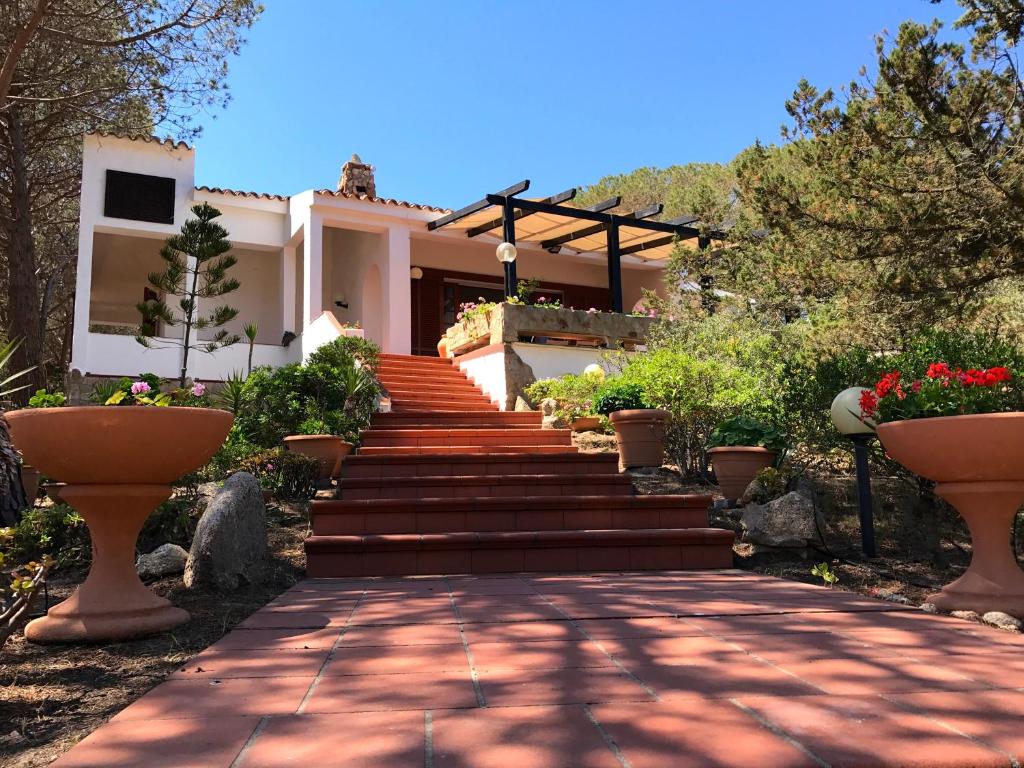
[(658, 242), (643, 213), (481, 229), (479, 205)]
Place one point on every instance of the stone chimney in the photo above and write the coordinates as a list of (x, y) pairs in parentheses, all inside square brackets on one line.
[(357, 178)]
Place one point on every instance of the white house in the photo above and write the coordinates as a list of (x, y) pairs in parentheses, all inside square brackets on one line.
[(311, 263)]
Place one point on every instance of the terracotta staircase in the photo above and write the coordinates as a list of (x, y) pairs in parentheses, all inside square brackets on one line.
[(447, 483)]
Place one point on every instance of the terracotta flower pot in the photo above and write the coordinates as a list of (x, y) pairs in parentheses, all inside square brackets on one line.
[(116, 466), (736, 467), (977, 463), (442, 347), (640, 434), (330, 450), (586, 424), (30, 482)]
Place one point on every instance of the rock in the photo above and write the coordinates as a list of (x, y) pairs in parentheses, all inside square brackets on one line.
[(965, 615), (1003, 621), (788, 521), (929, 608), (162, 561), (522, 405), (550, 418), (894, 597), (230, 545)]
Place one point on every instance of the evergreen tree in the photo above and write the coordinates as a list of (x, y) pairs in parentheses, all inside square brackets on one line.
[(197, 263)]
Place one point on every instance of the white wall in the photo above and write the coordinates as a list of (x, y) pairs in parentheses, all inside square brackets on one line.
[(349, 258), (257, 298), (487, 372)]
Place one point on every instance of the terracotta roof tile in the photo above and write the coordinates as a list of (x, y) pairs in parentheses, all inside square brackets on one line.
[(241, 193), (382, 201), (174, 144)]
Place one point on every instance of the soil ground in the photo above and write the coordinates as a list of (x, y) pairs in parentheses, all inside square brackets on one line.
[(52, 696)]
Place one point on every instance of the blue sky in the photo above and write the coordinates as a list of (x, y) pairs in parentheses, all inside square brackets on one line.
[(454, 99)]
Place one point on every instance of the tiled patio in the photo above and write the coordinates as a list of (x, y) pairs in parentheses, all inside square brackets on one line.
[(720, 668)]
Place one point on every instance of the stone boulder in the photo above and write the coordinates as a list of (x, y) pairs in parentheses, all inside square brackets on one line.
[(522, 406), (549, 415), (1003, 621), (162, 561), (788, 521), (230, 545)]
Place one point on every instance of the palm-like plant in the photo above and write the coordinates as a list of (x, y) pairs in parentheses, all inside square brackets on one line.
[(250, 330), (12, 494), (230, 396)]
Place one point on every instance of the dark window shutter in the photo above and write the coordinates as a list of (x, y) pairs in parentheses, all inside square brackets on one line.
[(139, 197)]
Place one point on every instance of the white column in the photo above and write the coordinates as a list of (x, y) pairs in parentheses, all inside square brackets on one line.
[(397, 293), (287, 283), (312, 269)]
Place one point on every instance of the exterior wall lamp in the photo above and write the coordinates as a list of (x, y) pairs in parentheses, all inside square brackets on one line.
[(846, 418), (506, 253)]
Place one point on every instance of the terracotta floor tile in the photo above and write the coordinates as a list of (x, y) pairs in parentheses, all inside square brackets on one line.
[(366, 740), (695, 733), (556, 654), (659, 626), (402, 634), (365, 693), (431, 610), (864, 732), (519, 737), (162, 744), (515, 688), (865, 676), (288, 662), (397, 659), (312, 601), (927, 643), (521, 631), (808, 646), (278, 638), (668, 650), (728, 626), (1003, 669), (722, 677), (992, 717), (216, 697)]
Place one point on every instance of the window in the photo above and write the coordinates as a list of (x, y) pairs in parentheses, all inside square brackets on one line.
[(139, 197)]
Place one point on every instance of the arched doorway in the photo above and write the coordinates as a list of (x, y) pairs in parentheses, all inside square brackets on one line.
[(373, 305)]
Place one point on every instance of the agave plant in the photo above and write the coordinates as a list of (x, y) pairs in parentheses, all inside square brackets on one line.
[(230, 396)]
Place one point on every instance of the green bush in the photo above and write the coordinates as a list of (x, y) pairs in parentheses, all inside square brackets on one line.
[(574, 394), (57, 530), (698, 394), (338, 352), (620, 394), (328, 395), (44, 399), (744, 431), (289, 476)]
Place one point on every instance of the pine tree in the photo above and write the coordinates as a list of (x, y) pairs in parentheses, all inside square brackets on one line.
[(197, 263)]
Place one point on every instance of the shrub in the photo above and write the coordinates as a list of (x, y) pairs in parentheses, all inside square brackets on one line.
[(336, 353), (329, 395), (56, 529), (742, 430), (619, 394), (574, 394), (19, 583), (698, 394), (289, 476), (44, 399)]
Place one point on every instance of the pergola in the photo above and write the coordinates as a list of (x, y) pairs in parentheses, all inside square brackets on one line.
[(553, 223)]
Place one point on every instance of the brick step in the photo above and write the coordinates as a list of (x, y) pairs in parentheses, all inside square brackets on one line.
[(409, 369), (378, 450), (512, 552), (454, 465), (436, 419), (470, 436), (441, 406), (427, 359), (419, 383), (427, 394), (527, 513), (475, 486)]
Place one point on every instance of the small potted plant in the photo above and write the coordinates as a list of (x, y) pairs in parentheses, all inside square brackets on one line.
[(741, 447), (639, 428), (963, 429), (314, 439)]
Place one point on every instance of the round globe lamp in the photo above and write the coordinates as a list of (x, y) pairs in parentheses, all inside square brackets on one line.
[(846, 417), (506, 253)]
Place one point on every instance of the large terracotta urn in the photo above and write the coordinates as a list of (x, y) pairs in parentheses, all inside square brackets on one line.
[(736, 467), (977, 463), (116, 465), (640, 435), (329, 450)]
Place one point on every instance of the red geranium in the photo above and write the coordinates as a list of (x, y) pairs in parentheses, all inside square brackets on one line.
[(943, 391)]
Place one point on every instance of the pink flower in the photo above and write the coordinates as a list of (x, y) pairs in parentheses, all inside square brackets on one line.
[(198, 389), (593, 310), (140, 388)]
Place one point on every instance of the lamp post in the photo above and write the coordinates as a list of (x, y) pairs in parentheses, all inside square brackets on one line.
[(846, 417), (506, 253)]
